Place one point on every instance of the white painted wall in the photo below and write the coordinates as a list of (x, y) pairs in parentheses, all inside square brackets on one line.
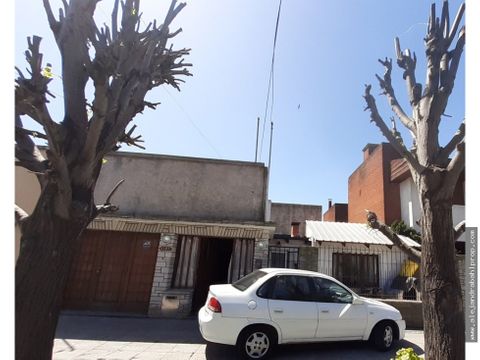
[(409, 203), (410, 206)]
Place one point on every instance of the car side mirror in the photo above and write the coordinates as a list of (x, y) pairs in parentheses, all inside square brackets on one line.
[(357, 301)]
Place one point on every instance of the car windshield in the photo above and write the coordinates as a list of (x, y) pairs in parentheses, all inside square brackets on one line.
[(248, 280)]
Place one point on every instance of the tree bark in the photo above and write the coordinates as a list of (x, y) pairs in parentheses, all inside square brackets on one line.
[(47, 248), (443, 315)]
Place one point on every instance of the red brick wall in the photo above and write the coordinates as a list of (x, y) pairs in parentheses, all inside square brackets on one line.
[(337, 213), (391, 190), (369, 187)]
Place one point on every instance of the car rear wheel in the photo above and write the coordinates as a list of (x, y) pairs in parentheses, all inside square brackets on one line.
[(383, 336), (256, 342)]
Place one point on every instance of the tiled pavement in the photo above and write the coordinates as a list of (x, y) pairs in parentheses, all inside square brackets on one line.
[(87, 337)]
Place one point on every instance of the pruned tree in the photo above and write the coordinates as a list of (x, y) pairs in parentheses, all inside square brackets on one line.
[(123, 62), (435, 170)]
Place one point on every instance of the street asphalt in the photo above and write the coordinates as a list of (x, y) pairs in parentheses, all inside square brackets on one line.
[(87, 336)]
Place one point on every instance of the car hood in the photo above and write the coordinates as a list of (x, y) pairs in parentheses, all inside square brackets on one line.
[(381, 306)]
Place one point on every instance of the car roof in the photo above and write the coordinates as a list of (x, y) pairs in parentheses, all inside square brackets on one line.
[(292, 271)]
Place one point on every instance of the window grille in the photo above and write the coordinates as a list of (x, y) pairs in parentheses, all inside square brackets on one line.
[(283, 257), (357, 271)]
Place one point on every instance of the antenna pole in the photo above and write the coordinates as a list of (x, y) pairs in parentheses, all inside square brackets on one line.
[(256, 143), (270, 151)]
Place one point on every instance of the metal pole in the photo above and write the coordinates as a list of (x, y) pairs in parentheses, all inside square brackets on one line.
[(270, 151), (256, 143)]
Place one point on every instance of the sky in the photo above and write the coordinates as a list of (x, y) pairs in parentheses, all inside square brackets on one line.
[(326, 51)]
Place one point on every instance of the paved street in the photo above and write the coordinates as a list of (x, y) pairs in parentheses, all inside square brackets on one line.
[(85, 337)]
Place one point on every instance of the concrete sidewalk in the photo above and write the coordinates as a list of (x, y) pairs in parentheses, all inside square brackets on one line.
[(87, 337)]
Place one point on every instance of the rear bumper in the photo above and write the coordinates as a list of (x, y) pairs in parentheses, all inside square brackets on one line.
[(218, 329)]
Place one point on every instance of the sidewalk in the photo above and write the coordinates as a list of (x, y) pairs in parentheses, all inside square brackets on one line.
[(87, 337)]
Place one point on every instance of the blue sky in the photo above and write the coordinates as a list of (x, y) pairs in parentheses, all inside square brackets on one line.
[(326, 51)]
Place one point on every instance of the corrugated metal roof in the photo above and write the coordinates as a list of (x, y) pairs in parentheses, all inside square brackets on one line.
[(349, 233)]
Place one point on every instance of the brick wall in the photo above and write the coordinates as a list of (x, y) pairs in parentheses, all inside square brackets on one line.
[(337, 213), (369, 186)]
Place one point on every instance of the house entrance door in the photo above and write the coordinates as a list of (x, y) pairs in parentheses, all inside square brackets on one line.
[(213, 263)]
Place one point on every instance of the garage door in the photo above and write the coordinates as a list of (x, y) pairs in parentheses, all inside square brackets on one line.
[(112, 271)]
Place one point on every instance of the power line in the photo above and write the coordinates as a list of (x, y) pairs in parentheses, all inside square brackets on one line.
[(192, 122), (270, 81)]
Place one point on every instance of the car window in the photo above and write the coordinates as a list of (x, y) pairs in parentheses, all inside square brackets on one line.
[(292, 287), (329, 291), (248, 280), (265, 291)]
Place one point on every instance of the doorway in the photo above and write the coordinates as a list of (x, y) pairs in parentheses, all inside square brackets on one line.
[(213, 264)]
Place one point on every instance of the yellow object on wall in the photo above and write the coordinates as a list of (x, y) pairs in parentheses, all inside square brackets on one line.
[(408, 268)]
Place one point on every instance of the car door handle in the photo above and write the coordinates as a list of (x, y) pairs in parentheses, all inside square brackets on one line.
[(278, 311), (325, 311)]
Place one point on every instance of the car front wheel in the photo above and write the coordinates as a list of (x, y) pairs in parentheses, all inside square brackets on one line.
[(383, 336), (256, 342)]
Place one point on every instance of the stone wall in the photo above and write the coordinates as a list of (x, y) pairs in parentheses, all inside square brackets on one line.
[(260, 254), (162, 278), (308, 258)]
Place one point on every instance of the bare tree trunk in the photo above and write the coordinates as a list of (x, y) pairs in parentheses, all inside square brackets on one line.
[(48, 245), (443, 314)]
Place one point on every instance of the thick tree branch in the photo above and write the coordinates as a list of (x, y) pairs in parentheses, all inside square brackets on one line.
[(26, 132), (458, 230), (408, 64), (27, 153), (455, 57), (107, 206), (373, 222), (386, 85), (397, 143), (72, 40), (455, 167), (20, 216), (31, 93), (455, 25), (54, 24), (452, 144)]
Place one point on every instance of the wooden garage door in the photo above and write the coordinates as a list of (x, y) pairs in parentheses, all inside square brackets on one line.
[(112, 271)]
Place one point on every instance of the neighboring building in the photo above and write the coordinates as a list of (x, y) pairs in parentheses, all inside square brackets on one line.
[(362, 258), (369, 186), (336, 212), (383, 184), (183, 224), (289, 248), (409, 199)]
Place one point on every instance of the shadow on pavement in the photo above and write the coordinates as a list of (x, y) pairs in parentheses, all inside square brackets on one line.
[(357, 350), (128, 329), (155, 330)]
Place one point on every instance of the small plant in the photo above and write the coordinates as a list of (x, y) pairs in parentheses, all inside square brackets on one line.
[(406, 354)]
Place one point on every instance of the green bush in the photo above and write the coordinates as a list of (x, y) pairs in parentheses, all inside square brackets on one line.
[(406, 354)]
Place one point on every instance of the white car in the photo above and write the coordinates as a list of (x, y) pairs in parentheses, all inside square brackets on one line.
[(277, 306)]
